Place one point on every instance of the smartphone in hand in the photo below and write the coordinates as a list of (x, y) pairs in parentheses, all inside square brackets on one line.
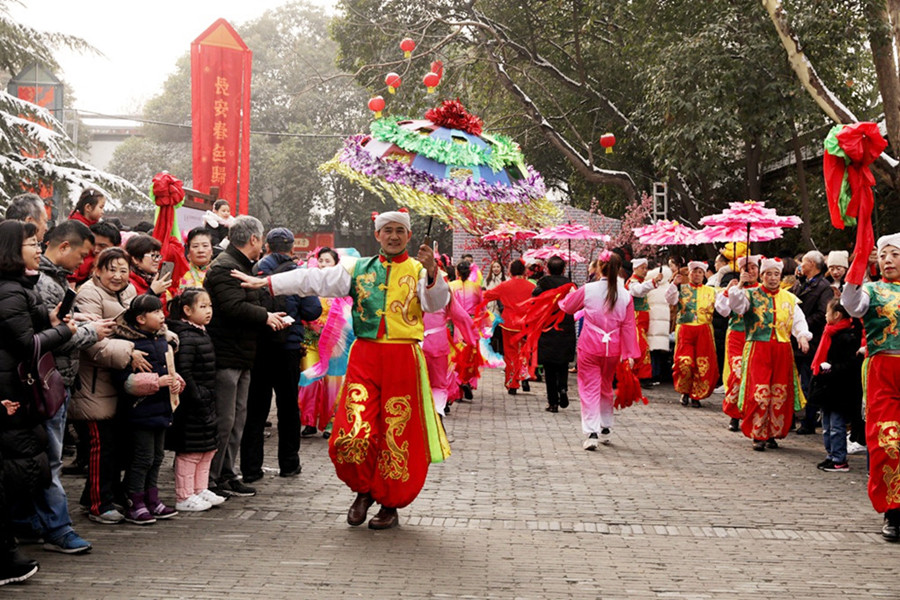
[(166, 269), (68, 301)]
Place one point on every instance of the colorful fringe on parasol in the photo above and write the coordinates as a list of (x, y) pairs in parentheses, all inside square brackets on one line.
[(446, 166)]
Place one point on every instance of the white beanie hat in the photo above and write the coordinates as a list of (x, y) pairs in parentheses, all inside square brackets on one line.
[(697, 264), (754, 260), (889, 240), (637, 262), (838, 258), (392, 216), (771, 263)]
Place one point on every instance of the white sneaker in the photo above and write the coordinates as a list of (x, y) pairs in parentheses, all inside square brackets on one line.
[(591, 443), (211, 497), (855, 448), (604, 436), (193, 504), (720, 389)]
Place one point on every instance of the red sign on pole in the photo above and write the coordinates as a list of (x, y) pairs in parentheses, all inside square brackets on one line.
[(220, 113)]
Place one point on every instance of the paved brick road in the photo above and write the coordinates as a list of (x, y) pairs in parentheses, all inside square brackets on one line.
[(676, 507)]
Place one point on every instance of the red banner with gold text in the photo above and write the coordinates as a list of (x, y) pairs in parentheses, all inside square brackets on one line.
[(220, 114)]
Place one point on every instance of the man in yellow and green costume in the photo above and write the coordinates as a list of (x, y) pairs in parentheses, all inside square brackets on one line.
[(770, 388), (386, 432)]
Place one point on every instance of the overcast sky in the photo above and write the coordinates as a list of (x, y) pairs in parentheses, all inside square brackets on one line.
[(140, 42)]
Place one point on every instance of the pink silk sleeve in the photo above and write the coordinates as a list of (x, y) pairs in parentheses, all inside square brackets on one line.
[(574, 302)]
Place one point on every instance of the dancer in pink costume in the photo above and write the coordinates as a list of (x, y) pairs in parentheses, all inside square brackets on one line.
[(608, 336), (436, 348)]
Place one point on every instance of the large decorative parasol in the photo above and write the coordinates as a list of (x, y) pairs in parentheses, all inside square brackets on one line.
[(547, 252), (509, 232), (445, 166), (849, 150), (666, 233), (741, 218), (570, 231), (714, 234)]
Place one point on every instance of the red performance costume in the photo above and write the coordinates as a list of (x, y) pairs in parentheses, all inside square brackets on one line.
[(770, 388), (694, 369), (386, 431), (638, 287), (512, 293), (877, 303)]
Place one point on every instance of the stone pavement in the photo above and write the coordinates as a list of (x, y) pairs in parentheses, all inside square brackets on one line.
[(676, 507)]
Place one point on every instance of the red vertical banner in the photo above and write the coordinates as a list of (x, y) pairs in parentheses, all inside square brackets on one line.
[(220, 114)]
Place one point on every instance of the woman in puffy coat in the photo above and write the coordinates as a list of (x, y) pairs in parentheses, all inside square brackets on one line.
[(23, 441), (106, 295)]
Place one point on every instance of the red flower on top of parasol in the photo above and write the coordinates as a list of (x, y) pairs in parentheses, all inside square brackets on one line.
[(508, 231), (570, 231), (453, 115), (666, 233), (547, 252), (753, 212)]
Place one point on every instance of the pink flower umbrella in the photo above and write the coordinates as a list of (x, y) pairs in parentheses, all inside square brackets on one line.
[(547, 252), (740, 217), (733, 233), (570, 231), (508, 232), (666, 233)]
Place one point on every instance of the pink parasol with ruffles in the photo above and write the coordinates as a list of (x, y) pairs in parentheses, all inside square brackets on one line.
[(740, 219), (570, 231), (666, 233), (546, 252), (508, 232), (733, 233)]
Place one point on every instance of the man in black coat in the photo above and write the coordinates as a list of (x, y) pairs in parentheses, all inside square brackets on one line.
[(277, 368), (814, 292), (556, 348), (238, 317)]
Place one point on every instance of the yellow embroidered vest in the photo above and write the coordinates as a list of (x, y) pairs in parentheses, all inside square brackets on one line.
[(386, 291), (696, 304), (771, 316)]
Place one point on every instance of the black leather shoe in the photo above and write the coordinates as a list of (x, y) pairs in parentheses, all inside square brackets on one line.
[(525, 386), (385, 519), (771, 443), (552, 408), (891, 528), (511, 391), (290, 472), (734, 425), (359, 509), (467, 391), (563, 399), (759, 445), (685, 399)]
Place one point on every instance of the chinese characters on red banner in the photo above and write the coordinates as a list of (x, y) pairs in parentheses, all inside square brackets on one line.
[(220, 103)]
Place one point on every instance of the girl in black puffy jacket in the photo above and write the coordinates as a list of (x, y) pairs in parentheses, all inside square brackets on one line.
[(146, 406), (24, 467), (193, 432)]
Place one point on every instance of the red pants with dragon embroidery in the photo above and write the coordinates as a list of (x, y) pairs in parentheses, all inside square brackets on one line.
[(694, 369), (768, 390), (379, 443), (882, 373), (732, 371)]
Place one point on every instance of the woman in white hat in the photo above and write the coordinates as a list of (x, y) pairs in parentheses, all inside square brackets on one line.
[(694, 368), (877, 303), (770, 388), (735, 338)]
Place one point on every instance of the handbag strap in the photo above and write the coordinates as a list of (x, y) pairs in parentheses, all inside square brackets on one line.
[(36, 342)]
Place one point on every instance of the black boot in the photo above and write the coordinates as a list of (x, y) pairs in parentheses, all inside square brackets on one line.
[(525, 386)]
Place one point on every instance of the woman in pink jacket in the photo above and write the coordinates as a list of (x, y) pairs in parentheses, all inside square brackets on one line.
[(608, 336)]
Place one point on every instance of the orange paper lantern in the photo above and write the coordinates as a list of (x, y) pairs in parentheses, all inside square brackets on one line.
[(376, 105)]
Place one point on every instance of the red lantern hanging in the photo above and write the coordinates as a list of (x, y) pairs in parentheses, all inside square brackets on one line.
[(376, 105), (608, 140), (431, 81), (407, 45), (393, 81)]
